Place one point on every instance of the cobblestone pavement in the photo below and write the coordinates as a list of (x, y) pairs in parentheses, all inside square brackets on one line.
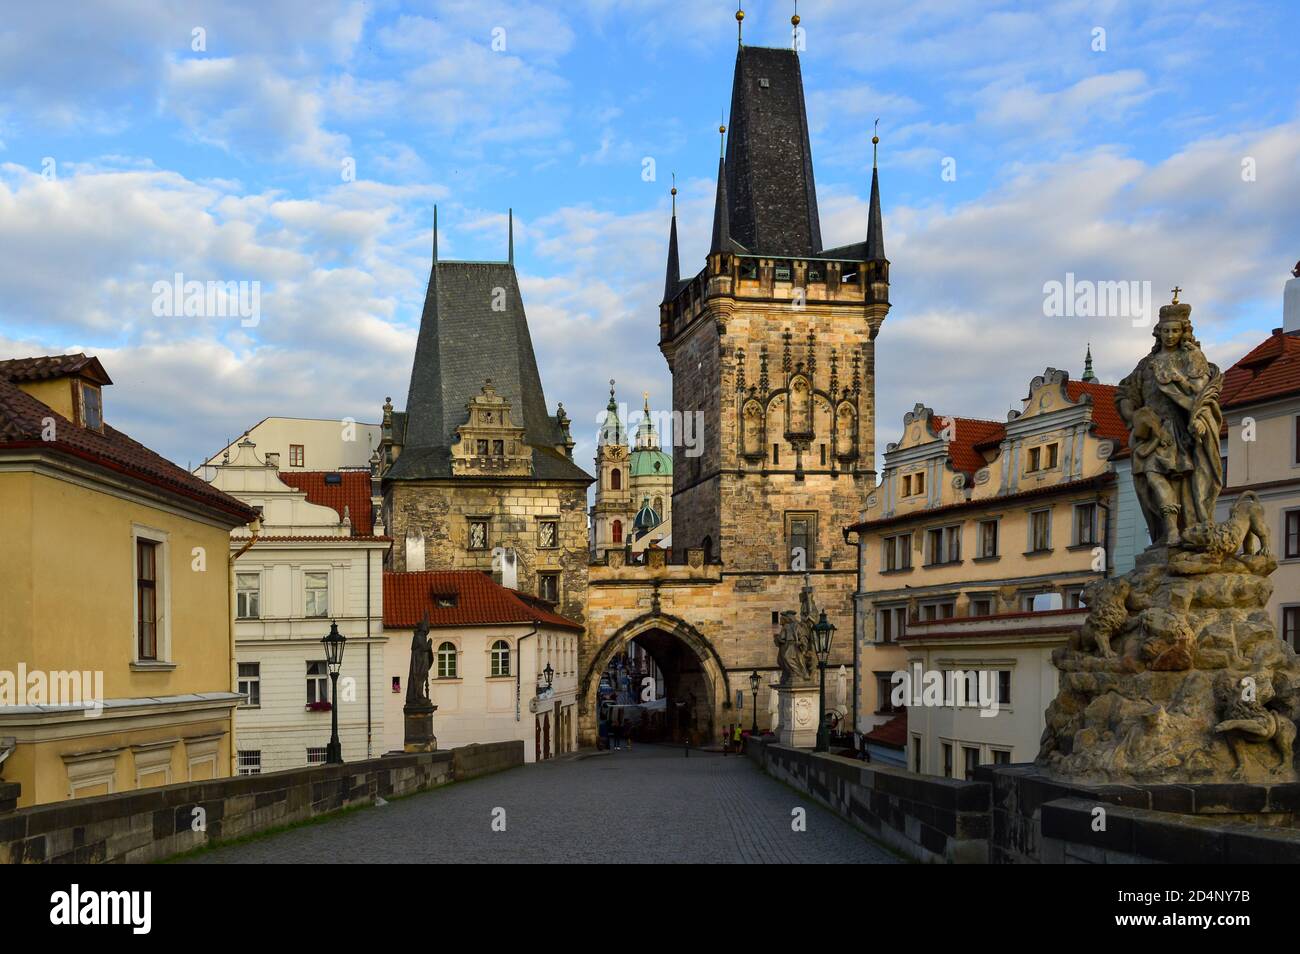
[(649, 805)]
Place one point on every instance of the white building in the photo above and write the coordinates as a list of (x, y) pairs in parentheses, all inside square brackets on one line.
[(1010, 655), (491, 649), (318, 559), (305, 444)]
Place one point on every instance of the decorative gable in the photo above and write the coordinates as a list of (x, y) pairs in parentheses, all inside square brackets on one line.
[(488, 443)]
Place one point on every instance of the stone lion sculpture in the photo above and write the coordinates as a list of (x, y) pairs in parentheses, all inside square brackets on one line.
[(1245, 529)]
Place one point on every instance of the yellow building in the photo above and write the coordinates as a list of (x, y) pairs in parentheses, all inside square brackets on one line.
[(116, 648), (982, 520)]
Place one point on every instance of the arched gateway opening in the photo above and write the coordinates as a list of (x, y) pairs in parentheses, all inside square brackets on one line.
[(691, 683)]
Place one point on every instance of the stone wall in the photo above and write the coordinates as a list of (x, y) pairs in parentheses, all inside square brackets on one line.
[(152, 824), (442, 511), (921, 817)]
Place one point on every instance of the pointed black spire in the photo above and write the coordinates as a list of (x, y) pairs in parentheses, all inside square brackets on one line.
[(1088, 374), (435, 235), (511, 229), (875, 251), (721, 223), (673, 276)]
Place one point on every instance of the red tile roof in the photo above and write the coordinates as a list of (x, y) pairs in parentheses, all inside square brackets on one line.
[(22, 423), (893, 734), (1269, 371), (46, 367), (1105, 416), (479, 601), (352, 491), (968, 435)]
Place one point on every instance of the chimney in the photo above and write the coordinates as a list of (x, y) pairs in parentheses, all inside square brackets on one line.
[(1291, 303)]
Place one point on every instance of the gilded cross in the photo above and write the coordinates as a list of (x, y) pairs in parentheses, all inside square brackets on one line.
[(1175, 290)]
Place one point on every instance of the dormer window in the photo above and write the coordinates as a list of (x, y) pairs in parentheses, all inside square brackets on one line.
[(91, 406)]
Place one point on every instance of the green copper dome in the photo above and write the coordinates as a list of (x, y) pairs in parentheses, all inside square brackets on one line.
[(651, 463)]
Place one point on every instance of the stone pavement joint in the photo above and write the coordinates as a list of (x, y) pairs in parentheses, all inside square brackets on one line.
[(649, 805)]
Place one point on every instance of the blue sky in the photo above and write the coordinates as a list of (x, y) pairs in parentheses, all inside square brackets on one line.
[(226, 164)]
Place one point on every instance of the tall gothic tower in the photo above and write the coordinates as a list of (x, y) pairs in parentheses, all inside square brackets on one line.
[(772, 348), (612, 512)]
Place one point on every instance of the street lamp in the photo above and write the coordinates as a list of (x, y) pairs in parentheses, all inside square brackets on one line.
[(334, 643), (823, 630), (549, 673), (753, 687)]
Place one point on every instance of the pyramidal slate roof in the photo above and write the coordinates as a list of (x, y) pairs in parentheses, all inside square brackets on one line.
[(463, 341), (770, 194)]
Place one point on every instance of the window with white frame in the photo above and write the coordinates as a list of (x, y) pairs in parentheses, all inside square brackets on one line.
[(1040, 530), (447, 668), (972, 758), (891, 623), (897, 554), (1073, 597), (1291, 626), (981, 606), (938, 609), (1085, 524), (248, 595), (988, 538), (250, 684), (500, 658), (318, 682), (317, 600), (316, 755), (943, 545), (147, 601), (1291, 534), (884, 692), (250, 762)]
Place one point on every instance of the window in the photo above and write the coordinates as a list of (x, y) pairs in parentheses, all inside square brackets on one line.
[(248, 595), (316, 755), (972, 757), (1291, 625), (478, 534), (981, 606), (296, 456), (447, 668), (1073, 597), (482, 447), (943, 609), (916, 755), (884, 692), (500, 658), (1004, 687), (498, 448), (801, 536), (616, 531), (1295, 444), (146, 594), (548, 587), (914, 484), (781, 273), (988, 538), (1052, 451), (898, 552), (947, 760), (250, 762), (1040, 530), (823, 448), (615, 479), (776, 454), (1085, 524), (92, 407), (1035, 459), (1291, 534), (318, 685), (943, 545), (891, 624), (548, 534), (659, 506), (250, 684), (1001, 757), (317, 603)]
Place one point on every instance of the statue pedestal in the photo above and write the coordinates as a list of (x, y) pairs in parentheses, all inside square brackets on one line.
[(418, 720), (797, 708)]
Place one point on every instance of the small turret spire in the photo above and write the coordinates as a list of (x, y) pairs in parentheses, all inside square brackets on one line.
[(740, 21), (510, 217), (875, 221), (435, 235), (1088, 374), (673, 273)]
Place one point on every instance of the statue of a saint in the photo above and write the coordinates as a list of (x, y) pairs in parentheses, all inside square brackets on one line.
[(417, 685), (790, 655), (1171, 404)]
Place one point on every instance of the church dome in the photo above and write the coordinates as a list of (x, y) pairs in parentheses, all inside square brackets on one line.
[(647, 518), (651, 462)]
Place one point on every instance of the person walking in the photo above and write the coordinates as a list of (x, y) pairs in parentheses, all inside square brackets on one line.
[(616, 734), (735, 738)]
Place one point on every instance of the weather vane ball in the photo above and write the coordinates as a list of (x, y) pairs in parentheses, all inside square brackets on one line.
[(794, 20), (740, 15), (722, 128)]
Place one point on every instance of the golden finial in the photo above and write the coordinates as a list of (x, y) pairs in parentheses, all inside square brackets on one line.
[(794, 20), (673, 193), (875, 142), (1175, 290), (722, 134), (740, 19)]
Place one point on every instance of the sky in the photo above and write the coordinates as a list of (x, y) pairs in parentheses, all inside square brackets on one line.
[(302, 145)]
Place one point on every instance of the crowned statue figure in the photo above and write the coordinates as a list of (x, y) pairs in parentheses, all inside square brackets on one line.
[(1171, 404)]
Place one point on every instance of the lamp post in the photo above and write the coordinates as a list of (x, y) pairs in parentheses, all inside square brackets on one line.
[(753, 688), (549, 674), (823, 630), (334, 643)]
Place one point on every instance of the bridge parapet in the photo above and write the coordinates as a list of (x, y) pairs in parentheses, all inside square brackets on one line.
[(654, 566)]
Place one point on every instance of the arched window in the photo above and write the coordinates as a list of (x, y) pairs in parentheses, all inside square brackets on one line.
[(615, 479), (447, 661), (707, 546), (500, 658), (616, 530), (659, 506)]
